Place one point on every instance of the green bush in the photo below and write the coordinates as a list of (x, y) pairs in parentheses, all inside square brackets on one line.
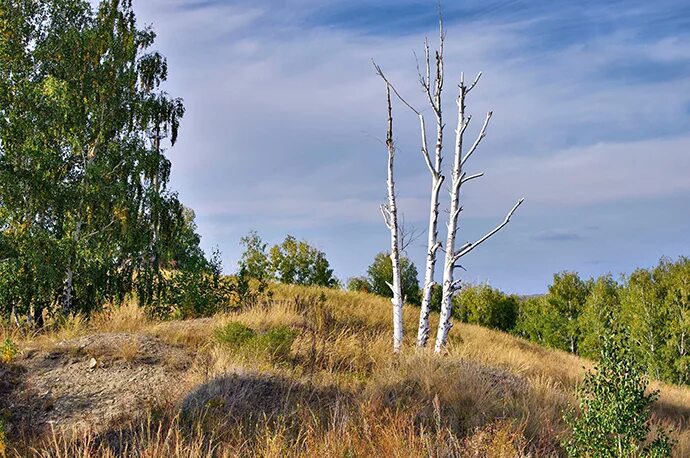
[(3, 438), (8, 351), (234, 335), (358, 284), (614, 415), (276, 342)]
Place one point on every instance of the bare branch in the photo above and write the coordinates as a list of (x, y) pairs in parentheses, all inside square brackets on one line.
[(455, 286), (386, 215), (476, 80), (464, 179), (408, 235), (390, 286), (471, 246), (479, 139), (425, 148), (380, 73)]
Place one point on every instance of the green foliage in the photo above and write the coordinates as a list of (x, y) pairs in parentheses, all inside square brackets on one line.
[(8, 351), (199, 290), (358, 284), (653, 305), (274, 344), (85, 212), (248, 290), (656, 307), (486, 306), (539, 321), (614, 416), (254, 262), (380, 274), (599, 314), (436, 297), (296, 262), (291, 262), (567, 295), (234, 335)]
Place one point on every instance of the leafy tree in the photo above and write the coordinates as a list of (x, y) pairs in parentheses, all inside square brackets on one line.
[(539, 321), (614, 415), (600, 313), (567, 295), (644, 314), (85, 212), (296, 262), (380, 274), (675, 281), (359, 284), (255, 262), (487, 306)]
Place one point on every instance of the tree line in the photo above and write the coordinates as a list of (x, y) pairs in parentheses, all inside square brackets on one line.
[(651, 305)]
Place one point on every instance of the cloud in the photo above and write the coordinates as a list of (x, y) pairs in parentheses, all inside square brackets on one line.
[(285, 115), (558, 236)]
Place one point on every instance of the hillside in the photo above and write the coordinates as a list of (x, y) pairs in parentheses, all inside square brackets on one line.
[(307, 372)]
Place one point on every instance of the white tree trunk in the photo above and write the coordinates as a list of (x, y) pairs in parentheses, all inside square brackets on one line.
[(459, 177), (423, 331), (69, 278), (449, 285), (390, 216)]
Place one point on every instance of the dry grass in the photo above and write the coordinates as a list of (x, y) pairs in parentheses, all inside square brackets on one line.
[(342, 393)]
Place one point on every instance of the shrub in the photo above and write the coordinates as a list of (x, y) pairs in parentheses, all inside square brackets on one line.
[(234, 335), (3, 439), (8, 350), (614, 417), (276, 342), (358, 284)]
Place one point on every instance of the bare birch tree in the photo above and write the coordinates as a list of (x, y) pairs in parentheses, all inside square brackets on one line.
[(433, 90), (459, 177), (437, 178), (390, 217)]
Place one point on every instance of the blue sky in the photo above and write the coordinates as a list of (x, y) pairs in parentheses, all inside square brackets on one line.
[(285, 118)]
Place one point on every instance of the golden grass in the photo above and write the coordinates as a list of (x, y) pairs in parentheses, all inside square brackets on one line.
[(343, 394)]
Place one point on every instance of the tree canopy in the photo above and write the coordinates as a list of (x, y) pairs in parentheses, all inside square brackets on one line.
[(85, 211)]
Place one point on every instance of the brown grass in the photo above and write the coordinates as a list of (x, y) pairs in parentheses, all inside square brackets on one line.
[(342, 393)]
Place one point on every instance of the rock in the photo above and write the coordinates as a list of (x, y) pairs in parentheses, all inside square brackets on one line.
[(93, 363)]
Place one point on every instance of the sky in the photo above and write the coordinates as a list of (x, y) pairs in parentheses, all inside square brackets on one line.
[(286, 117)]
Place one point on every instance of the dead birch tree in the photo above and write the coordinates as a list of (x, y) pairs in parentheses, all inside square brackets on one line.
[(459, 177), (437, 178), (433, 93), (390, 217)]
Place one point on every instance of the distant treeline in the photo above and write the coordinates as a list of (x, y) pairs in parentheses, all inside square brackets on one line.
[(651, 305)]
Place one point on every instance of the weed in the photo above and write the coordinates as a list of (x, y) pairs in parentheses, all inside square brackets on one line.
[(8, 351), (234, 335)]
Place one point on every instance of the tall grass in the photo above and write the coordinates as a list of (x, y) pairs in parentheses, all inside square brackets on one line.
[(336, 390)]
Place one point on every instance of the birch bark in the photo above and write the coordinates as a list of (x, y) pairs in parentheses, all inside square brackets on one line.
[(390, 217), (437, 179), (459, 177)]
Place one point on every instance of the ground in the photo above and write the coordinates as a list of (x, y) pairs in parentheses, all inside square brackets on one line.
[(124, 385)]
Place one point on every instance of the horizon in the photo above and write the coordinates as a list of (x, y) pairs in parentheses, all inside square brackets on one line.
[(285, 116)]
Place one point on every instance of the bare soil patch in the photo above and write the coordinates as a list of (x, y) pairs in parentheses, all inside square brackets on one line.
[(92, 381)]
